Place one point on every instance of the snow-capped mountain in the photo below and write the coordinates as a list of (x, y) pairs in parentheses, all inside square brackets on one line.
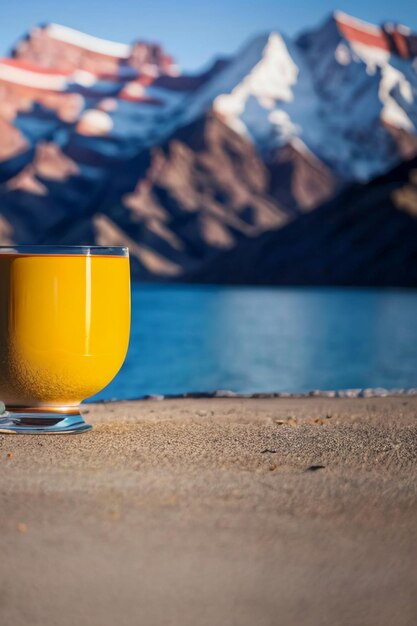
[(334, 92), (108, 142)]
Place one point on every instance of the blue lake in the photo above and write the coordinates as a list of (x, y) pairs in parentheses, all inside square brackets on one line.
[(251, 339)]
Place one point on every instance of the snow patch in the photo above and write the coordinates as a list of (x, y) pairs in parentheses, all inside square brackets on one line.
[(84, 78), (88, 42), (226, 80), (37, 80), (355, 22), (343, 54), (269, 80), (94, 122), (372, 56), (134, 89)]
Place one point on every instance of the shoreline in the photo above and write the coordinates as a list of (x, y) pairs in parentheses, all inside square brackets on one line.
[(371, 392)]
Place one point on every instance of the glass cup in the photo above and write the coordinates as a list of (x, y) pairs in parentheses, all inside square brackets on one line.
[(64, 332)]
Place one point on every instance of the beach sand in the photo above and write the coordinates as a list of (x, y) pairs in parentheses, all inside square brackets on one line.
[(217, 512)]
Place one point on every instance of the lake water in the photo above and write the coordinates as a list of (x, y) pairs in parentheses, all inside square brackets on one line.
[(248, 339)]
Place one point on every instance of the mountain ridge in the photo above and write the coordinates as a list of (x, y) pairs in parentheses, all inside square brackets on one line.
[(366, 236), (110, 142)]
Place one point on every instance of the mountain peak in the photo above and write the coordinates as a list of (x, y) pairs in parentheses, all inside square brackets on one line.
[(62, 48), (88, 42), (392, 37), (342, 18)]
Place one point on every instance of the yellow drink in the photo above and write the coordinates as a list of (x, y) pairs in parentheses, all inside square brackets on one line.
[(64, 326)]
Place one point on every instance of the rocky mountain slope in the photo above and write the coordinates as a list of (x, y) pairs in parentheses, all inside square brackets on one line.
[(366, 236), (105, 143)]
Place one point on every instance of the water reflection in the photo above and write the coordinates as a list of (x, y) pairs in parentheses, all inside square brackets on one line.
[(262, 339)]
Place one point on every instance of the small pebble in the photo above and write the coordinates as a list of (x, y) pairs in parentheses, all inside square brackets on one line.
[(348, 393), (314, 468), (225, 393), (22, 527)]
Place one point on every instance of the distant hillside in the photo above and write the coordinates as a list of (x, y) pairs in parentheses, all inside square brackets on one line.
[(367, 236)]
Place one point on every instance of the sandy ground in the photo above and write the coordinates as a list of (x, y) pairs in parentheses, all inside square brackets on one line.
[(222, 512)]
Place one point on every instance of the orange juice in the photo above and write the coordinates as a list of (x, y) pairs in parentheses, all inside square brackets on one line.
[(64, 326)]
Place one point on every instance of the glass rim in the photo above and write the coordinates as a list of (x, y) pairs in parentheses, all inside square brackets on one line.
[(122, 251)]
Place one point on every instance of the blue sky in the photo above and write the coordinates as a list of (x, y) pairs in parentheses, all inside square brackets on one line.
[(193, 31)]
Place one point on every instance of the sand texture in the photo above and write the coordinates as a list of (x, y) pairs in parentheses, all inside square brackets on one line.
[(214, 512)]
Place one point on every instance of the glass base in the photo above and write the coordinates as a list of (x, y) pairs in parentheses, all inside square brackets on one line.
[(42, 422)]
